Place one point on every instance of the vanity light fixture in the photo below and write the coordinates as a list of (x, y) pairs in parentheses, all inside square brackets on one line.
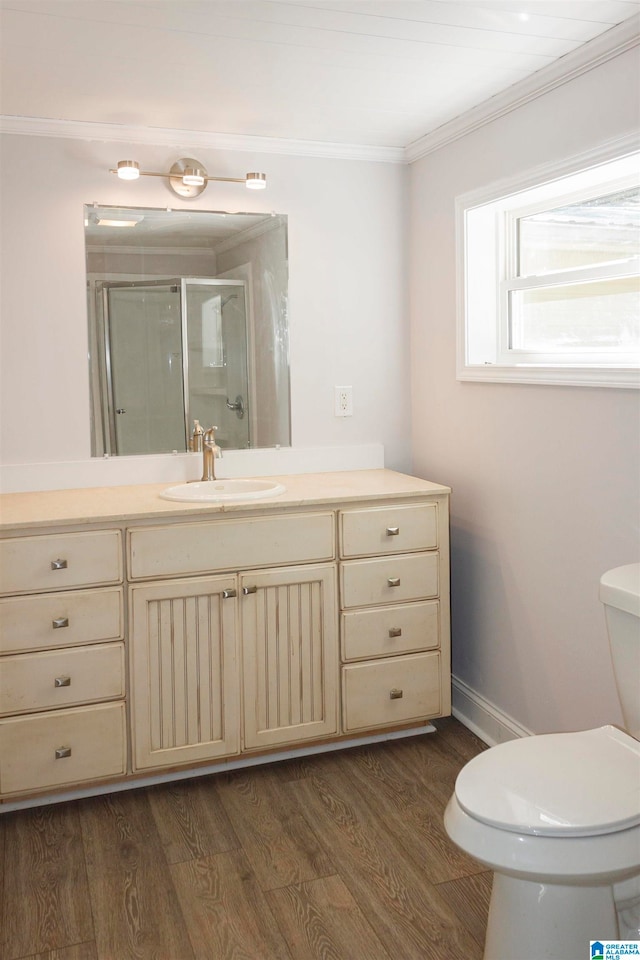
[(130, 220), (256, 181), (128, 169), (187, 177)]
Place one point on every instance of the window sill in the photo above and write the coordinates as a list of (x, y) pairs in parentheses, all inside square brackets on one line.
[(625, 377)]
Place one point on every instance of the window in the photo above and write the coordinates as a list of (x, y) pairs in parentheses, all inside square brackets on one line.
[(550, 278)]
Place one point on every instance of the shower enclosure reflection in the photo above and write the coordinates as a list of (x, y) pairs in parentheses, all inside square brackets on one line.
[(173, 352), (167, 350)]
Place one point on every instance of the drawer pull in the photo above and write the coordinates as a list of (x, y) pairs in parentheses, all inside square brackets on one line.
[(58, 564), (395, 694), (395, 631), (393, 531), (62, 682), (394, 581), (63, 752), (60, 622), (228, 593), (247, 590)]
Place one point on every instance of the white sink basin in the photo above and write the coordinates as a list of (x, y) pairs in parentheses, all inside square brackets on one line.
[(213, 491)]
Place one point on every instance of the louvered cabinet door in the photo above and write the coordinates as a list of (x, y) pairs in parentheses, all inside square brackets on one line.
[(184, 671), (289, 655)]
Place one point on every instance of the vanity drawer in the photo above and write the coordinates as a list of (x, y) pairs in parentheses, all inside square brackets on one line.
[(31, 564), (382, 530), (390, 631), (61, 748), (393, 691), (60, 619), (389, 579), (218, 545), (62, 678)]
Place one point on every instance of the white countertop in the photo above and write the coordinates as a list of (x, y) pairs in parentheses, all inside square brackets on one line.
[(122, 504)]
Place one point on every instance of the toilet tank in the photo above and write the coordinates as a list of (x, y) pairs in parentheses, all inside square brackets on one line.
[(620, 593)]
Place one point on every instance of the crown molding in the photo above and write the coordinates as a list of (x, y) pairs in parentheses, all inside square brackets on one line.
[(194, 139), (590, 55), (624, 36), (249, 233)]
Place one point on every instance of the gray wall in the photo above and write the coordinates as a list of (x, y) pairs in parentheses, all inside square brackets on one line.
[(545, 479), (347, 287)]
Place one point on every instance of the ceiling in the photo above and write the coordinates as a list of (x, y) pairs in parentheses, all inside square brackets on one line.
[(370, 72)]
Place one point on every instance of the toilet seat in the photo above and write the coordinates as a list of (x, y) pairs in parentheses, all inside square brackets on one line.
[(556, 785)]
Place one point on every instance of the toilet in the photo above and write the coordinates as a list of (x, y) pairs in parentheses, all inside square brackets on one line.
[(557, 817)]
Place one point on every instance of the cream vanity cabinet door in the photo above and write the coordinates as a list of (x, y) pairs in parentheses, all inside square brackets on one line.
[(184, 671), (289, 655)]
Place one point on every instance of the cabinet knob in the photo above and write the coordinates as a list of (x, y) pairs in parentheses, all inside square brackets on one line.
[(229, 593), (62, 682), (395, 694), (395, 631), (394, 581), (393, 531), (63, 752), (60, 622), (248, 590), (59, 564)]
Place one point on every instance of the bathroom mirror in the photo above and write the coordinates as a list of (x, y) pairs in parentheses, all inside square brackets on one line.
[(188, 321)]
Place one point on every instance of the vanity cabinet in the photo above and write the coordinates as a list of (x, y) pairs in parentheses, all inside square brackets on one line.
[(289, 655), (62, 661), (184, 671), (186, 687), (393, 580), (162, 639)]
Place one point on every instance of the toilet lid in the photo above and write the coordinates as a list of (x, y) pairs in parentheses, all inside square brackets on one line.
[(560, 784)]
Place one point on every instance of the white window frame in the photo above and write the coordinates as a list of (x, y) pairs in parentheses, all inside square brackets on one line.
[(483, 349)]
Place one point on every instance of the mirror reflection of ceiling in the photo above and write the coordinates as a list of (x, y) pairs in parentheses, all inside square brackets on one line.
[(401, 67), (183, 228)]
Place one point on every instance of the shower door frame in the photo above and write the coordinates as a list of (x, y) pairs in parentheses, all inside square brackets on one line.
[(103, 345)]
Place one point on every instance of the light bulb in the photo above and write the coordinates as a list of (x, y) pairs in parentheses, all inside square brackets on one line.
[(193, 177), (128, 169), (108, 222), (256, 181)]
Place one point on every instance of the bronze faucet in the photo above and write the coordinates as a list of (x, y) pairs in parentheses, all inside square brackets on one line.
[(210, 451)]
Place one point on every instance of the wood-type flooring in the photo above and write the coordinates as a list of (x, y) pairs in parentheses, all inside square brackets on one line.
[(340, 856)]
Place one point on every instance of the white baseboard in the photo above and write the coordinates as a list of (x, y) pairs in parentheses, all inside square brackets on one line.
[(483, 717)]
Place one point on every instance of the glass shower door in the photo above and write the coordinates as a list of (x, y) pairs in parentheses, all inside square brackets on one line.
[(144, 368), (215, 332)]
